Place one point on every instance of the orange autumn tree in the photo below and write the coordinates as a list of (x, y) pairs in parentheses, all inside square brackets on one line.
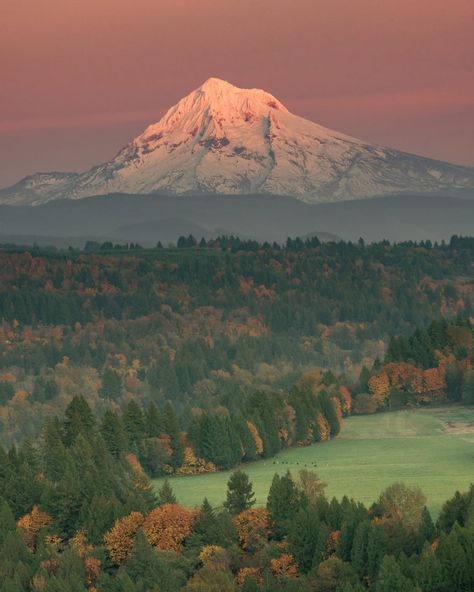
[(30, 524), (120, 539), (379, 387), (346, 399), (284, 566), (323, 427), (84, 550), (214, 557), (252, 573), (252, 527), (167, 526), (256, 437), (430, 385)]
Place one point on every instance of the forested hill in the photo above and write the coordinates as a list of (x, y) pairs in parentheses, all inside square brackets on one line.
[(201, 325)]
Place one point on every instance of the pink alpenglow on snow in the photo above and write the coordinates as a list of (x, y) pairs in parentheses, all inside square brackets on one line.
[(229, 140)]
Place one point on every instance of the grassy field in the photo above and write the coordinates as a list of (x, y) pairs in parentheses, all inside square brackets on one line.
[(432, 448)]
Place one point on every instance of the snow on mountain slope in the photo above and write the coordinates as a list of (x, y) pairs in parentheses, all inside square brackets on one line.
[(222, 139)]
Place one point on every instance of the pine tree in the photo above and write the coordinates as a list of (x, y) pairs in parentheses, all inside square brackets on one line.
[(330, 414), (376, 550), (165, 494), (456, 556), (429, 571), (113, 433), (282, 503), (53, 451), (359, 559), (67, 506), (143, 565), (23, 489), (7, 521), (391, 578), (78, 419), (134, 422), (426, 530), (172, 429), (303, 536), (240, 494), (250, 585), (153, 421), (150, 572), (111, 385), (321, 544)]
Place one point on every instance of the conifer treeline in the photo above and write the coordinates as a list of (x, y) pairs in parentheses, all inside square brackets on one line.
[(256, 427)]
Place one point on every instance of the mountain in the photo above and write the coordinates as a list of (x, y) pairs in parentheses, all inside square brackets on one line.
[(226, 140)]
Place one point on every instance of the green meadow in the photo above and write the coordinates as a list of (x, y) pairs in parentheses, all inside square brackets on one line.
[(431, 448)]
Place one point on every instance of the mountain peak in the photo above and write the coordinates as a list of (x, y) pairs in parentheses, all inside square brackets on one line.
[(213, 84), (229, 140), (217, 90)]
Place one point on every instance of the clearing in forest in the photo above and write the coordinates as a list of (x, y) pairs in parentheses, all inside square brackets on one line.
[(431, 448)]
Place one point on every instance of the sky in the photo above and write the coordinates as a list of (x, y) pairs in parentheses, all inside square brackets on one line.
[(80, 78)]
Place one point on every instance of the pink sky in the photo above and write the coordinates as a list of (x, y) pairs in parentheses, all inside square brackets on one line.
[(80, 78)]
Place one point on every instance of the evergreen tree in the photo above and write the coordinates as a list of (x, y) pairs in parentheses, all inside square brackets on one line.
[(376, 550), (282, 503), (456, 556), (153, 421), (303, 536), (23, 489), (143, 566), (359, 558), (113, 433), (150, 572), (52, 450), (172, 429), (321, 544), (134, 423), (391, 578), (250, 585), (78, 419), (7, 521), (330, 413), (429, 571), (165, 494), (111, 385), (240, 494)]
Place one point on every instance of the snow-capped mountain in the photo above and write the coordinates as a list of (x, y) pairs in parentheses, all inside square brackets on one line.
[(223, 139)]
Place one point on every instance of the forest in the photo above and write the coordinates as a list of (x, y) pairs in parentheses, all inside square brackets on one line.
[(119, 364), (205, 325), (77, 515)]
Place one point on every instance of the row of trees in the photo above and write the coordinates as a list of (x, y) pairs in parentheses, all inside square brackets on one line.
[(256, 426)]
